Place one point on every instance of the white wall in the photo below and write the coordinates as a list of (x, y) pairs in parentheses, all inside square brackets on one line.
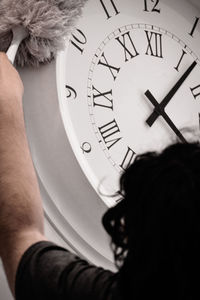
[(5, 293)]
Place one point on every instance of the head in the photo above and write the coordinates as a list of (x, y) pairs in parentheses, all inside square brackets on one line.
[(155, 228)]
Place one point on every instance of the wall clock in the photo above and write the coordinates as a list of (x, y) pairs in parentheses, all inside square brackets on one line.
[(123, 59), (128, 81)]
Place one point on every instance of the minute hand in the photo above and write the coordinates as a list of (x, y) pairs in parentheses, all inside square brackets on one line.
[(152, 118)]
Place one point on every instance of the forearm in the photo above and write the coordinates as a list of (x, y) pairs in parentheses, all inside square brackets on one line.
[(20, 203), (21, 212)]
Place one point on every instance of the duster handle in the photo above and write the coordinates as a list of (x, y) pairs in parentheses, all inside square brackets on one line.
[(19, 34)]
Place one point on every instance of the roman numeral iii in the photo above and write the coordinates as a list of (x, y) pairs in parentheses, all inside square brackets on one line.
[(108, 133)]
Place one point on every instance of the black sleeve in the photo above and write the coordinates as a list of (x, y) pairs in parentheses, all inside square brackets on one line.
[(47, 271)]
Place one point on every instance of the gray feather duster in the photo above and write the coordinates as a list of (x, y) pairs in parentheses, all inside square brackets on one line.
[(47, 21)]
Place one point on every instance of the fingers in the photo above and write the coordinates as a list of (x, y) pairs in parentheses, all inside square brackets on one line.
[(11, 85)]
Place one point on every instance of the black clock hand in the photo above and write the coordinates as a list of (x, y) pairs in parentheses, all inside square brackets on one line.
[(152, 118), (160, 111)]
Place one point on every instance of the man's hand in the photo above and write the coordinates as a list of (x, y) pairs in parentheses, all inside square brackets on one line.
[(11, 87)]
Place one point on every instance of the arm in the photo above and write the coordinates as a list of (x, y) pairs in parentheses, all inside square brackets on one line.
[(21, 212)]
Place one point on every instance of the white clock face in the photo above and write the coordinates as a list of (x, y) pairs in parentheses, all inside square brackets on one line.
[(128, 81)]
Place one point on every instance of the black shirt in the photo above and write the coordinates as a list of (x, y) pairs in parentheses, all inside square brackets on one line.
[(47, 271)]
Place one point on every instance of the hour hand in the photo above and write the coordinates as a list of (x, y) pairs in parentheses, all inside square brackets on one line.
[(160, 111)]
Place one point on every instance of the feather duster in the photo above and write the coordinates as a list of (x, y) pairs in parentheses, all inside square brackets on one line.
[(48, 23)]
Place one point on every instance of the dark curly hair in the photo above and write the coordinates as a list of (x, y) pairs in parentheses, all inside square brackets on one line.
[(155, 228)]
